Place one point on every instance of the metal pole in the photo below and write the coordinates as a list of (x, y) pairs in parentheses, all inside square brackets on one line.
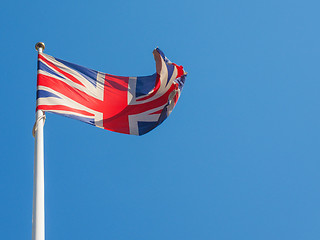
[(38, 226)]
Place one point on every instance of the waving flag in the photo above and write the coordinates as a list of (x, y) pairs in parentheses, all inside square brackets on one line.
[(130, 105)]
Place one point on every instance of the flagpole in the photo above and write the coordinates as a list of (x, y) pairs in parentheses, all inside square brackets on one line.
[(38, 220)]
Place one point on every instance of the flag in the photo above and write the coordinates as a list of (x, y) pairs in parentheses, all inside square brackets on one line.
[(130, 105)]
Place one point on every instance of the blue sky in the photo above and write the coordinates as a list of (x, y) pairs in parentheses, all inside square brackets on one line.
[(237, 159)]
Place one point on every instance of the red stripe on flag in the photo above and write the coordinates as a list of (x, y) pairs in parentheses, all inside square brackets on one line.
[(63, 108), (70, 92), (72, 78)]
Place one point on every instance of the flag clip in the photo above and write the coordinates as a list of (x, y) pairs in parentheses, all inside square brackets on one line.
[(35, 126)]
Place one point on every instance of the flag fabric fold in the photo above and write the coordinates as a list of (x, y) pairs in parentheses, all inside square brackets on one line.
[(130, 105)]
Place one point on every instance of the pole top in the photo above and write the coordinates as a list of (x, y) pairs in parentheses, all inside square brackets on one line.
[(40, 46)]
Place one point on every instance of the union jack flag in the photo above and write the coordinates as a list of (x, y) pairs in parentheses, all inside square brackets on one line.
[(130, 105)]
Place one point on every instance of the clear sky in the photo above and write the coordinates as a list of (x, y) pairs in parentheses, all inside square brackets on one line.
[(238, 158)]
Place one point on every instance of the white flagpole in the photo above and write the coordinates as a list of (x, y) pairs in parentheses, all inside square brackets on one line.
[(38, 226)]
